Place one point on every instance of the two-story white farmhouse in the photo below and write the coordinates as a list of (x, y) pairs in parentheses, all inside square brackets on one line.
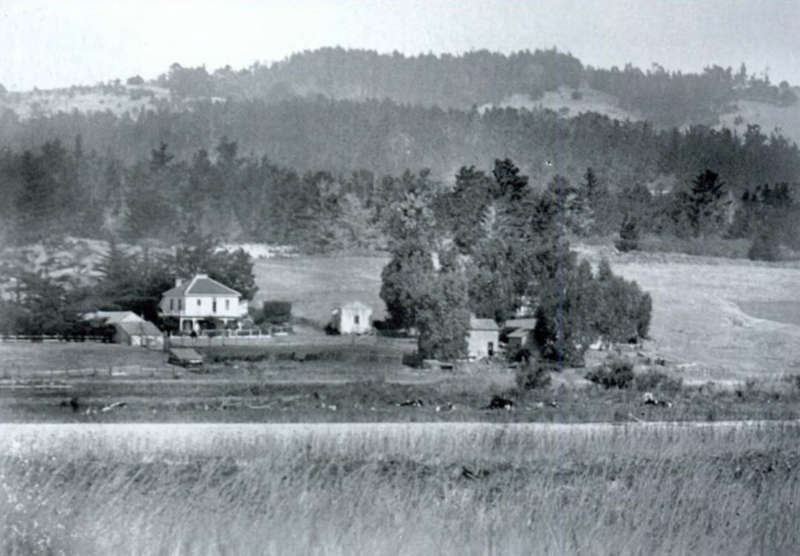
[(201, 299)]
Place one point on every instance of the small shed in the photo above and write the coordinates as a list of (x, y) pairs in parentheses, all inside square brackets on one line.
[(519, 332), (483, 339), (520, 338), (143, 333), (185, 357), (352, 318)]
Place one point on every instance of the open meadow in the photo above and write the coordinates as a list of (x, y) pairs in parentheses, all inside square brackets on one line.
[(712, 316), (400, 489)]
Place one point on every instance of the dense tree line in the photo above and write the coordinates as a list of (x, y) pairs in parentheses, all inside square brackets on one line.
[(478, 78), (636, 181), (493, 246), (386, 139)]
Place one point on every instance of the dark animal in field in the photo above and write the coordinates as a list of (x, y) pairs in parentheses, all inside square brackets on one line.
[(411, 403), (466, 473), (499, 402), (72, 403)]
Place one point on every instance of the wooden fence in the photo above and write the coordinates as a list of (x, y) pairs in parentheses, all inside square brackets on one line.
[(51, 339)]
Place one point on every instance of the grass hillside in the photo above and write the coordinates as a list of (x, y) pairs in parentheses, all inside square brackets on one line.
[(698, 317), (570, 102), (316, 286), (768, 116), (118, 100)]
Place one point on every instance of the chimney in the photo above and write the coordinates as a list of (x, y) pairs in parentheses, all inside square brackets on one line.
[(178, 282)]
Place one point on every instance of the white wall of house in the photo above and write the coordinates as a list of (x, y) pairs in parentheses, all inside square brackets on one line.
[(204, 306), (353, 319), (481, 342)]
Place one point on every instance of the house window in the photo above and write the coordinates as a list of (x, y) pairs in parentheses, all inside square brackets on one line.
[(227, 304), (214, 305), (356, 319), (180, 305), (198, 302), (170, 304)]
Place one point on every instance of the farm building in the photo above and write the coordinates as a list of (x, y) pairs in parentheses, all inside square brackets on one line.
[(483, 338), (144, 334), (129, 328), (519, 332), (202, 299), (352, 318), (113, 317)]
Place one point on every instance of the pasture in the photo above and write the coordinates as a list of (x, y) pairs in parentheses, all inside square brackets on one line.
[(701, 317), (400, 489), (316, 285)]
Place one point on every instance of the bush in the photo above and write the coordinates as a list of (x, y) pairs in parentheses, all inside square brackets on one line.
[(615, 373), (626, 245), (413, 360), (533, 375), (653, 380), (576, 95), (628, 236)]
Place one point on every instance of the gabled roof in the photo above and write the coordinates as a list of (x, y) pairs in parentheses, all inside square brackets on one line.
[(528, 324), (114, 317), (356, 305), (144, 328), (520, 333), (482, 324), (201, 285)]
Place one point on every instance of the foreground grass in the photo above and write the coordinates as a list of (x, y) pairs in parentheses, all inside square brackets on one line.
[(425, 489)]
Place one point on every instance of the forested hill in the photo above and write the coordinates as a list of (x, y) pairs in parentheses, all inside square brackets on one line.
[(385, 138), (480, 78)]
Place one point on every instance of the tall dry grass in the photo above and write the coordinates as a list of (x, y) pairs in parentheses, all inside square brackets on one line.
[(400, 489)]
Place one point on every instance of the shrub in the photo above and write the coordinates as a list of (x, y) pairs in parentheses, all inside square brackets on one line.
[(533, 375), (576, 95), (615, 373), (653, 380), (628, 236), (413, 360)]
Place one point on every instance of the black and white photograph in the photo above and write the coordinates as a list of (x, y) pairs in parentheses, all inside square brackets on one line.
[(399, 277)]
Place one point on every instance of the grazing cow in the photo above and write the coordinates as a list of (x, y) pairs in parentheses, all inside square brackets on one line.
[(498, 402)]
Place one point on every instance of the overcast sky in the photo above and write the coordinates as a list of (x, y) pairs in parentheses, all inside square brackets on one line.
[(57, 43)]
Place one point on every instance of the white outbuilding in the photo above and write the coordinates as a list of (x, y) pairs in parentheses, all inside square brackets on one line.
[(352, 318)]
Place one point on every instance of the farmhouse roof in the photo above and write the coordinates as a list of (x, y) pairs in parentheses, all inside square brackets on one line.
[(526, 324), (356, 305), (114, 317), (201, 284), (520, 333), (482, 324), (143, 328)]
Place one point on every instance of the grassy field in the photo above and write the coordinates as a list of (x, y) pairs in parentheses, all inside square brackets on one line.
[(24, 358), (315, 286), (403, 489), (697, 320)]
